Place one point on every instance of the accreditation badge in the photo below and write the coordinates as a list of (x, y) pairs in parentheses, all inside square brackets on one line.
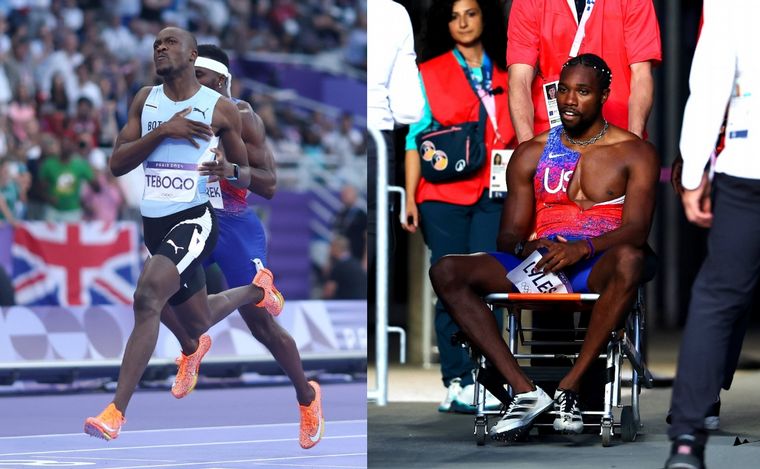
[(550, 99), (498, 183)]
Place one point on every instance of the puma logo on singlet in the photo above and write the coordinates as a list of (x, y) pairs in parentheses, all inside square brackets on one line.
[(176, 248), (202, 112)]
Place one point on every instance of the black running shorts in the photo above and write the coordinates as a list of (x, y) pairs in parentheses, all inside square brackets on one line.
[(186, 238)]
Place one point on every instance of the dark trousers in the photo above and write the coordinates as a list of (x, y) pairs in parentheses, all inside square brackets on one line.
[(720, 300), (458, 229)]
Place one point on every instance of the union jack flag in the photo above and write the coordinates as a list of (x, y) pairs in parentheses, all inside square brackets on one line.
[(88, 263)]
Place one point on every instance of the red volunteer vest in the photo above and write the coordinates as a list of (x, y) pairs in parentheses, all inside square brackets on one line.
[(453, 101)]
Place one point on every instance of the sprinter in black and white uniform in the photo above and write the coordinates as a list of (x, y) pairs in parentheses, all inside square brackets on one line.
[(173, 130)]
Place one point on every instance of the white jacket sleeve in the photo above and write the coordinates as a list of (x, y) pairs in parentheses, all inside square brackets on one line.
[(404, 93), (711, 83)]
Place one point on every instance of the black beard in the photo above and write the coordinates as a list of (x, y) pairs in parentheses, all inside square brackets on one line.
[(578, 129)]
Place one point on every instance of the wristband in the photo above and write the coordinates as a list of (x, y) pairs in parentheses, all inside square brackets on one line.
[(235, 173), (591, 247)]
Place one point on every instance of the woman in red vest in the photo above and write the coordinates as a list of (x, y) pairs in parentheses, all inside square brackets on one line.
[(463, 64)]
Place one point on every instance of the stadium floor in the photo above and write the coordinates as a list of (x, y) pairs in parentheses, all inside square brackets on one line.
[(410, 433), (211, 428)]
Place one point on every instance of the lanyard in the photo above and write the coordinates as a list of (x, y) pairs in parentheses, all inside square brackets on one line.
[(482, 89), (486, 69), (580, 33)]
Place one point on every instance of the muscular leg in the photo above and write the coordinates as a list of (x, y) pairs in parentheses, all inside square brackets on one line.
[(460, 281), (158, 281), (187, 326), (615, 277), (282, 346)]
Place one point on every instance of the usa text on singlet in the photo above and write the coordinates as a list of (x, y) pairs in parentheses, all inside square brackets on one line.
[(556, 214)]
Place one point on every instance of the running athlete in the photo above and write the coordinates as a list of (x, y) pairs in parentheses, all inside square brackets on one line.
[(586, 190), (171, 130), (242, 238)]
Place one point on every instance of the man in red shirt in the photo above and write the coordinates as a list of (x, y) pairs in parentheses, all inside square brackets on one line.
[(543, 34)]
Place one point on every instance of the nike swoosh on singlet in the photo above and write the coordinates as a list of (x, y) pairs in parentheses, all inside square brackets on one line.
[(555, 155)]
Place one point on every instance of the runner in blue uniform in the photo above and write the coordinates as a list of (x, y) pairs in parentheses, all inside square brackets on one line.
[(242, 239)]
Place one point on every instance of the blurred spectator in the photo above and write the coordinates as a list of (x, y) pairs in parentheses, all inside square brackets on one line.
[(345, 142), (346, 279), (5, 40), (63, 61), (86, 88), (119, 40), (21, 65), (351, 221), (102, 200), (356, 45), (9, 193), (62, 177), (21, 111), (83, 122)]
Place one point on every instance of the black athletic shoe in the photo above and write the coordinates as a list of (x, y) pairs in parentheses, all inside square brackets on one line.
[(686, 453), (569, 419)]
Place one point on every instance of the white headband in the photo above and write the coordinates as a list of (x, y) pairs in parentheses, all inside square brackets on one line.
[(215, 66)]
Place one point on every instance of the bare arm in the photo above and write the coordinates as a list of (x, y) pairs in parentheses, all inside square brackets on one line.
[(260, 157), (131, 149), (412, 178), (520, 207), (640, 194), (520, 100), (641, 97), (227, 120)]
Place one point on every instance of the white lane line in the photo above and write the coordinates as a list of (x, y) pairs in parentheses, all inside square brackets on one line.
[(221, 427), (216, 443), (257, 460), (111, 458)]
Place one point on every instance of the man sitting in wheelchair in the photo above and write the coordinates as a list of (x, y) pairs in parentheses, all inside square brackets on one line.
[(583, 195)]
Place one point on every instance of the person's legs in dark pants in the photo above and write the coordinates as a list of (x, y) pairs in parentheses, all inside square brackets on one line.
[(446, 230), (721, 294)]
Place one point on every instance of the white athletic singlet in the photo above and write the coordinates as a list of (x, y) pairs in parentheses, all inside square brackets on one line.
[(172, 181)]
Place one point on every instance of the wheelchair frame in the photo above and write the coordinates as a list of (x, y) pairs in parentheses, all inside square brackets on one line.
[(619, 347)]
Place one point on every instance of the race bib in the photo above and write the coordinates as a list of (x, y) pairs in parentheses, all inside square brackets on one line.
[(529, 281), (214, 191), (169, 181)]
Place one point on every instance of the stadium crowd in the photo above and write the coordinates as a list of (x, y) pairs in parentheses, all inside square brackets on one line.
[(69, 68)]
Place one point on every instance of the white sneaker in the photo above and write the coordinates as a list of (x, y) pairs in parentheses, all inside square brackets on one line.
[(569, 418), (453, 391), (465, 402), (520, 414)]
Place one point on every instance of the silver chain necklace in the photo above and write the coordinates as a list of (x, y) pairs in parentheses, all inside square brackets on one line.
[(592, 140)]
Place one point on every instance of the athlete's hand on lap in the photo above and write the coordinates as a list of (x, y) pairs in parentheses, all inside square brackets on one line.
[(562, 254), (180, 127), (531, 246)]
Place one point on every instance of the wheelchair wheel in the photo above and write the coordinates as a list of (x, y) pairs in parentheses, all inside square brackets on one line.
[(480, 430), (628, 424), (606, 434)]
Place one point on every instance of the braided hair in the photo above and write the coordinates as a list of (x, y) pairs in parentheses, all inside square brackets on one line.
[(603, 73)]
